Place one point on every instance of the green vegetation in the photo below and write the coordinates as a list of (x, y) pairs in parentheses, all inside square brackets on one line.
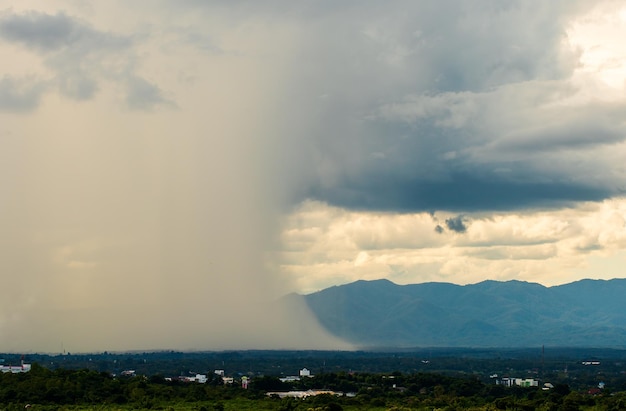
[(63, 389)]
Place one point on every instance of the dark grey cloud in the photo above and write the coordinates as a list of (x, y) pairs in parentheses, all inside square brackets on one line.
[(49, 33), (583, 128), (77, 86), (20, 95), (41, 31), (419, 106), (401, 106), (459, 193), (449, 106), (143, 95), (81, 57), (456, 224), (200, 41)]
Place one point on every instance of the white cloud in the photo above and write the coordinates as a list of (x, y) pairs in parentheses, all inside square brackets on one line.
[(550, 247), (598, 36)]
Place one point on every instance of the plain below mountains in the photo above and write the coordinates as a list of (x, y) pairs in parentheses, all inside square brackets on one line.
[(587, 313)]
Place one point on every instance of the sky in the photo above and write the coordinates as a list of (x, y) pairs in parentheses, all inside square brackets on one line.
[(170, 169)]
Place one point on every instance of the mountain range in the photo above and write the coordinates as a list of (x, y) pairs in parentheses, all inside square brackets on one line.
[(586, 313)]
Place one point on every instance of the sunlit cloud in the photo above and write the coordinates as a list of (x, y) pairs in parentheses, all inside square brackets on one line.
[(550, 246)]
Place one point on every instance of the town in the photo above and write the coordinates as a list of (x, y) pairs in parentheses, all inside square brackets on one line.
[(351, 380)]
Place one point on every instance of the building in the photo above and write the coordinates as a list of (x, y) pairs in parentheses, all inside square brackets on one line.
[(15, 368), (302, 394), (292, 378), (289, 378), (201, 378), (517, 382)]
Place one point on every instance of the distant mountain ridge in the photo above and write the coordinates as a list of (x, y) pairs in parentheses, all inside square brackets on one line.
[(379, 313)]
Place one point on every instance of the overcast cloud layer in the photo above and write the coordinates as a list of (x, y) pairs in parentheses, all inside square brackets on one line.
[(168, 168)]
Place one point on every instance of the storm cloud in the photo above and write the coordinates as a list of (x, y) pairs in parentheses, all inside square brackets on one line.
[(172, 168), (471, 109), (456, 224)]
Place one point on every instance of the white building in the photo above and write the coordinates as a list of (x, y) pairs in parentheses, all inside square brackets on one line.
[(15, 368), (302, 394), (289, 378), (518, 382), (199, 378)]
